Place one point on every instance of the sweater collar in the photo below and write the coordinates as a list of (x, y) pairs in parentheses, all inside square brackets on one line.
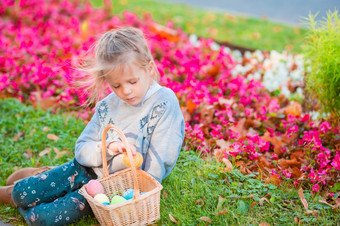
[(153, 89)]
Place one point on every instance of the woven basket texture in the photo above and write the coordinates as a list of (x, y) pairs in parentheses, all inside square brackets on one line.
[(141, 210)]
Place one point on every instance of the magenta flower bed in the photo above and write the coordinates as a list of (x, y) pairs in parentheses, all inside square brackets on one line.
[(226, 115)]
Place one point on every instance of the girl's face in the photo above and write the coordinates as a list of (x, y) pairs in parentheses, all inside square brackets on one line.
[(131, 83)]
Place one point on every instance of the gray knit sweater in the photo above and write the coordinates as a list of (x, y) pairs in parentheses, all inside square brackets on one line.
[(155, 126)]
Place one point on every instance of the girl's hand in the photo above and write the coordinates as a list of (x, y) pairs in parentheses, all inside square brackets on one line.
[(118, 147)]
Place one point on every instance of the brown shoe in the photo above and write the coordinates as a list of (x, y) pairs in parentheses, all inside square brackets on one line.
[(26, 172), (6, 195)]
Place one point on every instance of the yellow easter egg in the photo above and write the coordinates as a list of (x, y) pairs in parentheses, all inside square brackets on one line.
[(138, 159), (101, 198)]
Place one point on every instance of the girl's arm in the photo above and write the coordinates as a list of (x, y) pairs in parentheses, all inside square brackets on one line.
[(88, 145), (166, 142)]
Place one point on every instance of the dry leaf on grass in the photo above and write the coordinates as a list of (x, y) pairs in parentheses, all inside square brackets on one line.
[(314, 212), (44, 103), (264, 224), (302, 198), (218, 153), (252, 205), (173, 219), (16, 137), (229, 166), (165, 194), (305, 204), (52, 137), (44, 152), (59, 153), (200, 201), (224, 211), (206, 219), (28, 154), (274, 179), (333, 206), (46, 129)]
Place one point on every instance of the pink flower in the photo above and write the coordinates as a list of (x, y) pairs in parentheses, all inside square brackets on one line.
[(325, 127), (316, 188), (287, 174), (336, 161), (275, 156), (305, 118)]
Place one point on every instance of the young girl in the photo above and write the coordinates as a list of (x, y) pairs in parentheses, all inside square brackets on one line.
[(147, 113)]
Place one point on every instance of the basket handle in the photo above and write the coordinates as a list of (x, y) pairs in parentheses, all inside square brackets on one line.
[(129, 153)]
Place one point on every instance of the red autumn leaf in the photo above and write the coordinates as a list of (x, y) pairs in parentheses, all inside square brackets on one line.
[(244, 170), (289, 163), (224, 145), (275, 141), (165, 194), (298, 155), (191, 106), (224, 211), (296, 220), (252, 205), (173, 219), (44, 103), (207, 114), (265, 199), (239, 163), (263, 162), (211, 70), (294, 108), (288, 140), (186, 114), (165, 32), (296, 173), (239, 128), (274, 179), (52, 137)]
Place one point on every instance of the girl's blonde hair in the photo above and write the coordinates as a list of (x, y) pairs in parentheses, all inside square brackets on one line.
[(115, 50)]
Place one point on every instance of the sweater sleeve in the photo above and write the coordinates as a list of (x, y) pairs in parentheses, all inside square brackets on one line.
[(166, 142), (88, 145)]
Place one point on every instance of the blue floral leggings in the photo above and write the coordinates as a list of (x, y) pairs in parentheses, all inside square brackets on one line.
[(52, 198)]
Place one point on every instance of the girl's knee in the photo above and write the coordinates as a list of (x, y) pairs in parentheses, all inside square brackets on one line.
[(21, 194)]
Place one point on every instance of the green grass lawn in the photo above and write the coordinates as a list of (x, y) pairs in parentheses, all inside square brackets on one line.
[(248, 32), (196, 192)]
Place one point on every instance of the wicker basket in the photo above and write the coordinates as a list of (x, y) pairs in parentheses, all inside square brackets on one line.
[(142, 209)]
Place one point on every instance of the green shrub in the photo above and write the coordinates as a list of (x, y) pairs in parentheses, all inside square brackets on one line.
[(322, 52)]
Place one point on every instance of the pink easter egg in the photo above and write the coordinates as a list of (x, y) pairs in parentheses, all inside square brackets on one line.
[(94, 187)]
